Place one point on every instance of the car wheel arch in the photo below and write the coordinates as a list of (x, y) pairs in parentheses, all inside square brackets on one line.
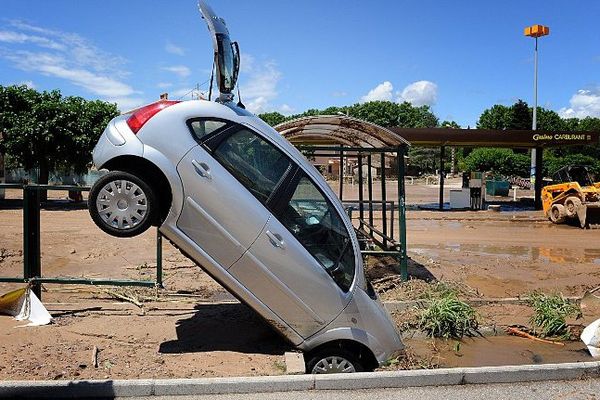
[(151, 174), (362, 352)]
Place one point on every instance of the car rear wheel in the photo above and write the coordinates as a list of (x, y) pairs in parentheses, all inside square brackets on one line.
[(333, 361), (122, 204)]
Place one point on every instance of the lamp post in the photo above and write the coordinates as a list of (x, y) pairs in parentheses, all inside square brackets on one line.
[(536, 31)]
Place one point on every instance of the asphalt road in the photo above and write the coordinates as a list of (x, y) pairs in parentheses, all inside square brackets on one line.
[(563, 390)]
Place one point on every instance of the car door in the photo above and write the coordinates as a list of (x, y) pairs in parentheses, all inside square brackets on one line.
[(227, 181), (302, 264)]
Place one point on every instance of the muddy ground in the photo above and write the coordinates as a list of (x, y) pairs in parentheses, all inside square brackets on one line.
[(181, 334)]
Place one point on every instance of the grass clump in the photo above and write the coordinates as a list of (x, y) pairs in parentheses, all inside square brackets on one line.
[(550, 313), (446, 316)]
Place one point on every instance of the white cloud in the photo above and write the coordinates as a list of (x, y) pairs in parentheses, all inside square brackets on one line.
[(70, 57), (383, 92), (260, 88), (18, 37), (164, 85), (29, 84), (127, 103), (56, 66), (247, 63), (285, 109), (419, 93), (181, 70), (584, 103), (187, 94), (339, 93), (173, 49)]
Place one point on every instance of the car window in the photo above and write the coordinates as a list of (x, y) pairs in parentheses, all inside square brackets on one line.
[(315, 222), (256, 163), (204, 127)]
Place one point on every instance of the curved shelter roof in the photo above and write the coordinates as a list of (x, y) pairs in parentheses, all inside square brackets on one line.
[(339, 130)]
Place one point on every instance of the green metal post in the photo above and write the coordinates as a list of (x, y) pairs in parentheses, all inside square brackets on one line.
[(384, 201), (159, 266), (402, 214), (361, 206), (31, 236)]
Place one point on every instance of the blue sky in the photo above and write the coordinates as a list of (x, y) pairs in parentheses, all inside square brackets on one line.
[(460, 57)]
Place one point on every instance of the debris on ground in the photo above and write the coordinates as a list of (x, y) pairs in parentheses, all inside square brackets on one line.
[(591, 337), (23, 304), (511, 330)]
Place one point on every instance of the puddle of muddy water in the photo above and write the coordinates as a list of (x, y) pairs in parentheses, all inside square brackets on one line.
[(496, 350), (529, 253)]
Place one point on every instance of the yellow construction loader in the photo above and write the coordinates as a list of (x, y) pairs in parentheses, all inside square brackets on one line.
[(576, 197)]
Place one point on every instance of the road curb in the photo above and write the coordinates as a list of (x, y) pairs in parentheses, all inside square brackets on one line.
[(288, 383)]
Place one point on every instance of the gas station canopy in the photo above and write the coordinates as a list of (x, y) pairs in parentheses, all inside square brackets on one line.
[(434, 137)]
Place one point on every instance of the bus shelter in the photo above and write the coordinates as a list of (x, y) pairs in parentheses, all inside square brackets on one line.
[(371, 153)]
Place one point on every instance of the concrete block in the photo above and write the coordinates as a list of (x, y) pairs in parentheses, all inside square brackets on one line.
[(294, 363)]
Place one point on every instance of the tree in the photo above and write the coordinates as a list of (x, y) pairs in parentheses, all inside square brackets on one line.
[(519, 116), (384, 113), (548, 120), (571, 124), (553, 163), (498, 161), (450, 124), (50, 132), (494, 118), (389, 114), (589, 124), (273, 118)]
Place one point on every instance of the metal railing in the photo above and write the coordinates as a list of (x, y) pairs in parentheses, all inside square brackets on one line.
[(32, 266), (365, 156)]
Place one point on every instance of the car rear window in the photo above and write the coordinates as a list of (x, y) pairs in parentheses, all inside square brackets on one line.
[(203, 127), (256, 163)]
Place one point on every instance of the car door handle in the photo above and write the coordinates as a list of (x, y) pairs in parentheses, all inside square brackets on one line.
[(276, 239), (202, 169)]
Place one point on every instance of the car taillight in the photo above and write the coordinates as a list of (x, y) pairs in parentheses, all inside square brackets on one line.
[(143, 114)]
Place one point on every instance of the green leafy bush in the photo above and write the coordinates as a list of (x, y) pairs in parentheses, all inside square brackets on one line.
[(554, 163), (498, 161)]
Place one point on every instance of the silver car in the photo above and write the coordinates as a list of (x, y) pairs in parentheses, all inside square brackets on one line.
[(239, 200)]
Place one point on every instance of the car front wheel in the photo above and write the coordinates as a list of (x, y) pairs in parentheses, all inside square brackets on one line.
[(333, 361), (122, 204)]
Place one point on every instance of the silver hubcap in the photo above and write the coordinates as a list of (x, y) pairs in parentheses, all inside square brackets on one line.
[(122, 204), (333, 365)]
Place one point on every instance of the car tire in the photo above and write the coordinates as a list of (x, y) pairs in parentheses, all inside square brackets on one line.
[(122, 204), (333, 360)]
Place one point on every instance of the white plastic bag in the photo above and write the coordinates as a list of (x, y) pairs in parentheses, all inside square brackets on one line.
[(23, 304), (591, 337)]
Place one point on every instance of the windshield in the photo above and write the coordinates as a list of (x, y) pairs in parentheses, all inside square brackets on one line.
[(227, 63)]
